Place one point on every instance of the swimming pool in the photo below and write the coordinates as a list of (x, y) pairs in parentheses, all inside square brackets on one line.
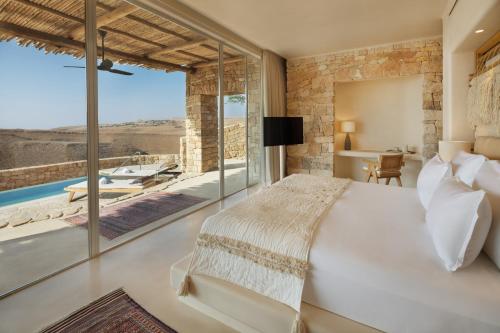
[(23, 194)]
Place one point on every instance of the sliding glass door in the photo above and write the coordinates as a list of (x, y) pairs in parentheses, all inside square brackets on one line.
[(43, 142), (235, 121), (158, 123), (101, 144)]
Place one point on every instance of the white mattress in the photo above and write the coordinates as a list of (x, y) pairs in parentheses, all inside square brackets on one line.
[(373, 261)]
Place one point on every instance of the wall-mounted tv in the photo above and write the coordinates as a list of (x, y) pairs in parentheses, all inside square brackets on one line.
[(286, 131)]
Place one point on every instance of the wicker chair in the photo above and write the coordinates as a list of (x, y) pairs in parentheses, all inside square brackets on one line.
[(387, 166)]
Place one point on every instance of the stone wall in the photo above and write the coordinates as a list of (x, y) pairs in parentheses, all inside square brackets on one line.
[(234, 141), (201, 154), (35, 175), (311, 94), (204, 82), (254, 120)]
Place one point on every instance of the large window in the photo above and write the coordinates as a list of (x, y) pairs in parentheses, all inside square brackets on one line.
[(235, 122), (101, 144), (43, 148)]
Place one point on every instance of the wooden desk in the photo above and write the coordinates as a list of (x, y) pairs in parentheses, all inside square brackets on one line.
[(374, 154)]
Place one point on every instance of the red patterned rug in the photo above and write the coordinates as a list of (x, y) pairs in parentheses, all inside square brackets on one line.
[(116, 312), (121, 218)]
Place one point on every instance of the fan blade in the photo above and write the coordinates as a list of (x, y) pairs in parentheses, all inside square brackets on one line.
[(117, 71), (74, 66)]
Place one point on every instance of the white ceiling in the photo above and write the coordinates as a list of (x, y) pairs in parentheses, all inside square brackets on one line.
[(294, 28)]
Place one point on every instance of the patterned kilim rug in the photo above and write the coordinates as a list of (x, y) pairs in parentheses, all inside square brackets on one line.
[(119, 219), (116, 312)]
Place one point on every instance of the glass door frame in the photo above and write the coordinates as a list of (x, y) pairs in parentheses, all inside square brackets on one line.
[(93, 135)]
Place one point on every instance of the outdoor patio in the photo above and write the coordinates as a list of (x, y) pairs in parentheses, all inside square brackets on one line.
[(39, 248)]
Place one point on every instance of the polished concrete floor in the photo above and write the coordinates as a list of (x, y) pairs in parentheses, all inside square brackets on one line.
[(141, 267)]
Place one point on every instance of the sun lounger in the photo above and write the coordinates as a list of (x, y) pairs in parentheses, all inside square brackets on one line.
[(114, 186), (136, 171)]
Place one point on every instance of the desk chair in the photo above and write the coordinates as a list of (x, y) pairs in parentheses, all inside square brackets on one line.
[(387, 166)]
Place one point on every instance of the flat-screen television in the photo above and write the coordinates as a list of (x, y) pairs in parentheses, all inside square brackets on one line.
[(283, 131)]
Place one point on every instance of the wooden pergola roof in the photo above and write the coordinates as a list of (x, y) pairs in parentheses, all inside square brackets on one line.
[(134, 36)]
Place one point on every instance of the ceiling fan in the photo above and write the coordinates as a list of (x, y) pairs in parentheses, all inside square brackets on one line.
[(106, 64)]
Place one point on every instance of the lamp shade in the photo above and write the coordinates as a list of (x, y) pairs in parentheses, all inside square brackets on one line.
[(280, 131), (448, 149), (348, 127)]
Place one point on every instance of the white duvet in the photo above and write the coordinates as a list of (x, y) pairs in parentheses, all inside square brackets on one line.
[(373, 261)]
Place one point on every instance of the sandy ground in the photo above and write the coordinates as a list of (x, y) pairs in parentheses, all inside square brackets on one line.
[(154, 137), (33, 250)]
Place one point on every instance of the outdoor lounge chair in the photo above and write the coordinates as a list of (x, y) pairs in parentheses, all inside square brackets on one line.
[(114, 186), (137, 171)]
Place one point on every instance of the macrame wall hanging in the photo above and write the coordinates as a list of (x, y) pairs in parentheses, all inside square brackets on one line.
[(483, 100)]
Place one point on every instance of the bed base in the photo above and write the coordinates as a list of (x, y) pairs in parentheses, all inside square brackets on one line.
[(247, 311)]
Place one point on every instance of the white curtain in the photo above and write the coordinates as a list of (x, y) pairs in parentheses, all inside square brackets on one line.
[(274, 68)]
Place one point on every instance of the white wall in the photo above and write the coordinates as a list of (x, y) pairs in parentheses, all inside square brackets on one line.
[(459, 44), (388, 113)]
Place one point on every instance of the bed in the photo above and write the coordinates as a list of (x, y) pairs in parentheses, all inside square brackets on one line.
[(373, 262)]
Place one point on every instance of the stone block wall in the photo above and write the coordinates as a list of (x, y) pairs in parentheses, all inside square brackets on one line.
[(254, 120), (20, 177), (311, 94), (204, 81), (201, 134), (234, 141)]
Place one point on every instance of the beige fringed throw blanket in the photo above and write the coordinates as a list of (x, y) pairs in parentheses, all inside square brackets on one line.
[(263, 243)]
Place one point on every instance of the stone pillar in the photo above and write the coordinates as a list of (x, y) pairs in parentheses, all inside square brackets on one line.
[(201, 134)]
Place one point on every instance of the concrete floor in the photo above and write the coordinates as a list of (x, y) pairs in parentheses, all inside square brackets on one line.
[(34, 250), (141, 267)]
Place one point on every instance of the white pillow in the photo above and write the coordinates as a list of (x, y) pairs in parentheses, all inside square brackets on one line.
[(488, 179), (466, 166), (459, 219), (104, 181), (429, 178)]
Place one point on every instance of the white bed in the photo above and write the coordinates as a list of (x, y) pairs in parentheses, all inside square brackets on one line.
[(373, 261)]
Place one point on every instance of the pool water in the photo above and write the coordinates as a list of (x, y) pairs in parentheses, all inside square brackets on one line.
[(36, 192)]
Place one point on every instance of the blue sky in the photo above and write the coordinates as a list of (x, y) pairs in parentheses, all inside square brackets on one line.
[(37, 92)]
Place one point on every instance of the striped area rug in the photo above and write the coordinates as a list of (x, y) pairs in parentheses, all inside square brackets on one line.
[(118, 219), (116, 312)]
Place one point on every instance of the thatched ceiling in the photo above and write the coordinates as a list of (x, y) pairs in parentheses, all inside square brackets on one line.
[(134, 36)]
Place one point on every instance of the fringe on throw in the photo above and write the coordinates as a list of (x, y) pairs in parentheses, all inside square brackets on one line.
[(298, 325), (184, 287)]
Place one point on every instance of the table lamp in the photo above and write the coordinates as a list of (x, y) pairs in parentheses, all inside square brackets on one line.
[(347, 127), (448, 149)]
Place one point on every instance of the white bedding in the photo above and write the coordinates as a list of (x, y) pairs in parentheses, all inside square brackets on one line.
[(373, 261)]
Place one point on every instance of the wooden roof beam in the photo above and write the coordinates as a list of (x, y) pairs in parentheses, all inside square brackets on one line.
[(216, 62), (106, 18), (175, 48), (160, 29), (146, 23), (58, 13), (194, 55), (59, 41), (32, 4), (164, 49)]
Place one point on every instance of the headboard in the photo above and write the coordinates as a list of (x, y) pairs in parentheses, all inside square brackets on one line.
[(488, 146)]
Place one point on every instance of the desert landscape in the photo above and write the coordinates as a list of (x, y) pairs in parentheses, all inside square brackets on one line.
[(24, 148)]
